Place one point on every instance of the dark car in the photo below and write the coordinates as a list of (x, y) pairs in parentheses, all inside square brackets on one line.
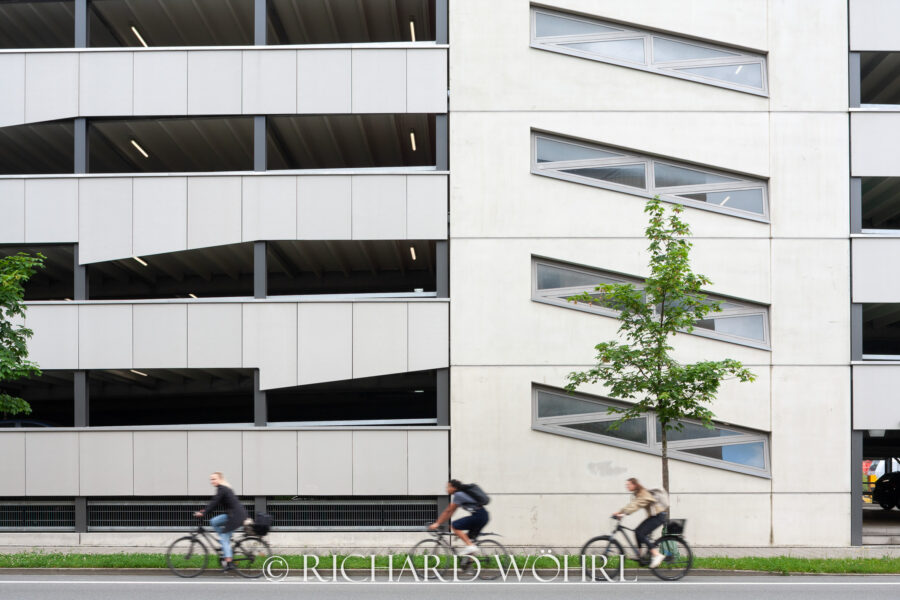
[(25, 423), (887, 491)]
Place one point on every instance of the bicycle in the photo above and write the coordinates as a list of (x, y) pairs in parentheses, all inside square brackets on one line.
[(188, 556), (678, 555), (491, 554)]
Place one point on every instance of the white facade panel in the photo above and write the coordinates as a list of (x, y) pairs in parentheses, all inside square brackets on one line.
[(270, 343), (428, 455), (876, 276), (160, 336), (211, 451), (160, 215), (379, 463), (379, 207), (214, 336), (876, 400), (872, 152), (160, 83), (270, 462), (214, 82), (426, 207), (429, 335), (54, 344), (12, 207), (325, 460), (105, 336), (379, 81), (12, 467), (104, 219), (269, 208), (873, 25), (426, 81), (105, 83), (323, 81), (214, 211), (51, 210), (325, 342), (106, 463), (324, 207), (379, 339), (160, 463), (51, 463), (51, 86), (269, 82), (12, 93)]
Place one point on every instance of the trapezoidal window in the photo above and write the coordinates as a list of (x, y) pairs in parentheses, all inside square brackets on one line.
[(592, 418), (646, 176), (660, 53), (738, 322)]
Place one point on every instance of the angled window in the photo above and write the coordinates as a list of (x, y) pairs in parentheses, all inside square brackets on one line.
[(647, 176), (646, 50), (588, 418), (738, 322)]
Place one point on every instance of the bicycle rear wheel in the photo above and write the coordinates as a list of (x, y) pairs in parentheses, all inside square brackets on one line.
[(678, 558), (250, 554), (493, 558), (187, 556), (430, 553)]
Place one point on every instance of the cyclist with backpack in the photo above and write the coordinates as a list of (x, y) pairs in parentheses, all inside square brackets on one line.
[(656, 503), (472, 498)]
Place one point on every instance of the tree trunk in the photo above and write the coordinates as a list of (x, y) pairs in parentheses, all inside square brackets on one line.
[(665, 458)]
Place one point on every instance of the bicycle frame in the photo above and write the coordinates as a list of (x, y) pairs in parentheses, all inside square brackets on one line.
[(621, 528)]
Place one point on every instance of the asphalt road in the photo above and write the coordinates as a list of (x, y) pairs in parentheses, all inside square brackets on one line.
[(155, 587)]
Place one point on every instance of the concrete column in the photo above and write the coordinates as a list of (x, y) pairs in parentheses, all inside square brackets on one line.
[(81, 514), (855, 204), (856, 503), (259, 143), (82, 399), (260, 410), (443, 397), (260, 280), (442, 268), (855, 80), (259, 22), (81, 146), (441, 18), (81, 23), (856, 332), (259, 504), (441, 143), (82, 288)]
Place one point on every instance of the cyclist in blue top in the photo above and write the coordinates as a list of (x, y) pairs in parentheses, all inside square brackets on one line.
[(474, 523)]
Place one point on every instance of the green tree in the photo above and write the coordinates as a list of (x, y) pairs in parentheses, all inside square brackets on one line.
[(641, 368), (15, 270)]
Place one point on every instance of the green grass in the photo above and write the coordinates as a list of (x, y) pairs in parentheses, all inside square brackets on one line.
[(777, 564)]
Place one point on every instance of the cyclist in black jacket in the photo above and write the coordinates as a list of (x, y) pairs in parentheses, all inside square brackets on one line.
[(226, 523)]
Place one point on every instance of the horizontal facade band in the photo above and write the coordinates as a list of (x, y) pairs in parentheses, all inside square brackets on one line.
[(872, 136), (873, 25), (291, 343), (114, 83), (875, 403), (118, 217), (360, 462), (876, 278)]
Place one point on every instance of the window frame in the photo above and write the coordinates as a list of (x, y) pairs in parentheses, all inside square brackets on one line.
[(552, 296), (670, 194), (669, 68), (554, 425)]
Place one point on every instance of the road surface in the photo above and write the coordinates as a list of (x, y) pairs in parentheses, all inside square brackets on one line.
[(220, 587)]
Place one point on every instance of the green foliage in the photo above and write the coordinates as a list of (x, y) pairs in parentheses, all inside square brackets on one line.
[(641, 368), (15, 270)]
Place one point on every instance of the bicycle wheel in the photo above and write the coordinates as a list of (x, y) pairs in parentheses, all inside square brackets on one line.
[(187, 556), (605, 546), (436, 555), (250, 554), (678, 558), (493, 558)]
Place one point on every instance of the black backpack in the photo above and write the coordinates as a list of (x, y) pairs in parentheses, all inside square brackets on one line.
[(262, 523), (478, 494)]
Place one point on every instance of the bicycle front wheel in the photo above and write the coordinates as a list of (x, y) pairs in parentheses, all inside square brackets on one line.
[(250, 554), (431, 556), (493, 558), (678, 558), (187, 556)]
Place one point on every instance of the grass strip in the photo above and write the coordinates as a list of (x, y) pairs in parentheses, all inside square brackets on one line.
[(775, 564)]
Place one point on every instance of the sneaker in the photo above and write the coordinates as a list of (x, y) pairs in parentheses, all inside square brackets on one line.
[(466, 550), (656, 560)]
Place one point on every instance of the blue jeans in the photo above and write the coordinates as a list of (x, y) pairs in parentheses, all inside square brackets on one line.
[(218, 523)]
